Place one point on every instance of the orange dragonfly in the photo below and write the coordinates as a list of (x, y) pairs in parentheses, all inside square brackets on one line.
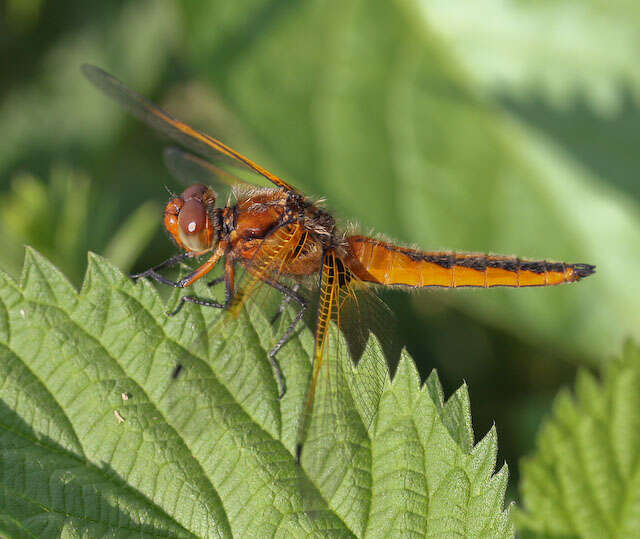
[(278, 233)]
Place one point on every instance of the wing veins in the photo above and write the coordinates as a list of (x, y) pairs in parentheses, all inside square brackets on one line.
[(162, 121)]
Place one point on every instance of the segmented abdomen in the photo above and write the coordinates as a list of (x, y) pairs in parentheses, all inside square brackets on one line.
[(389, 264)]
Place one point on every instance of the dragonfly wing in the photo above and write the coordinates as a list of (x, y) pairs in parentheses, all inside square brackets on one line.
[(182, 133), (188, 169), (338, 424), (268, 262)]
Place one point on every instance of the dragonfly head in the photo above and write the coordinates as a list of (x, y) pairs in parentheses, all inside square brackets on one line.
[(189, 218)]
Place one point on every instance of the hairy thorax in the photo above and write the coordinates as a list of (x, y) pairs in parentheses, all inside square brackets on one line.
[(259, 213)]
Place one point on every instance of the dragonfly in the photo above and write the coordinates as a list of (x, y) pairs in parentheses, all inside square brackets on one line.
[(277, 236)]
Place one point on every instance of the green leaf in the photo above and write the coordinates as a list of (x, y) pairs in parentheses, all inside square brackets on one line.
[(554, 48), (584, 478), (97, 438)]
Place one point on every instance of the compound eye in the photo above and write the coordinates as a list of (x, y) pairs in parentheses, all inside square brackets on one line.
[(194, 191), (194, 228), (192, 218)]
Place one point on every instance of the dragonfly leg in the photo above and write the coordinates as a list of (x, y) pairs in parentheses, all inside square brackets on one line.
[(290, 294), (283, 340), (216, 281), (205, 302), (283, 304), (197, 301), (227, 278), (152, 273)]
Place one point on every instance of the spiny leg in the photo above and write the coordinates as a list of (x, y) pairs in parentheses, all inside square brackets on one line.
[(289, 295), (216, 281), (152, 273), (283, 340), (283, 304), (228, 278), (198, 301)]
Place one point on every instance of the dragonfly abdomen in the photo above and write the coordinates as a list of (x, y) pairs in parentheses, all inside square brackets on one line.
[(388, 264)]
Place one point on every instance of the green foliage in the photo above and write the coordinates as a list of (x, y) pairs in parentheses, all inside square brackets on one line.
[(584, 478), (58, 114), (502, 126), (559, 49), (63, 217), (98, 439)]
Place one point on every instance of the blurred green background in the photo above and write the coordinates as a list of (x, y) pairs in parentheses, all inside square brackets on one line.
[(499, 126)]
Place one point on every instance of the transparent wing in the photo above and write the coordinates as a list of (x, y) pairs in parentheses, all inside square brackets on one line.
[(343, 397), (182, 133), (268, 262), (188, 169)]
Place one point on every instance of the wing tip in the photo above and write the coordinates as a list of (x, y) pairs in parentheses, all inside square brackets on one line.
[(90, 71), (101, 79)]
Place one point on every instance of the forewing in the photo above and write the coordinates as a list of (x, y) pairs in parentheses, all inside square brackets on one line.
[(182, 133)]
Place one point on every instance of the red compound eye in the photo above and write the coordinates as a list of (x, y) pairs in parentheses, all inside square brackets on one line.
[(194, 227), (194, 191), (192, 218)]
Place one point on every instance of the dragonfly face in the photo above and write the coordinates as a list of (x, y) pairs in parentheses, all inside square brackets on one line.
[(192, 219), (278, 236)]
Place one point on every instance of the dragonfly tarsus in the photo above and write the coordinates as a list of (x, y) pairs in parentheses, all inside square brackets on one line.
[(153, 272), (216, 281), (198, 301)]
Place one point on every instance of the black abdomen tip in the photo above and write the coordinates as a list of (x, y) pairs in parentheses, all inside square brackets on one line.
[(583, 270)]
